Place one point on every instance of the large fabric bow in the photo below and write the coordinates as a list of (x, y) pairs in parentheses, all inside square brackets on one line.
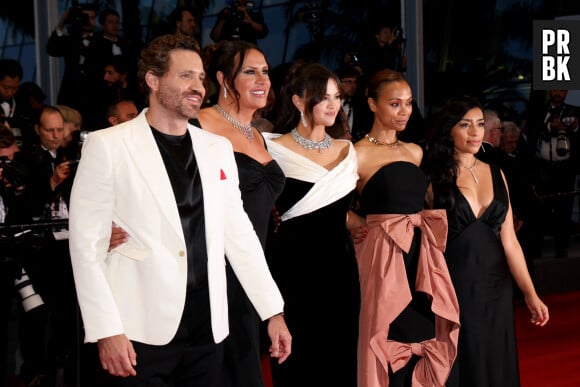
[(433, 367)]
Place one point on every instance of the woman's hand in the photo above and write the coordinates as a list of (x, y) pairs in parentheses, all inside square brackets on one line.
[(357, 227), (118, 236), (538, 309), (276, 219)]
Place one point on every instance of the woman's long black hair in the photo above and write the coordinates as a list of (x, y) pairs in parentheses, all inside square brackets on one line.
[(439, 162)]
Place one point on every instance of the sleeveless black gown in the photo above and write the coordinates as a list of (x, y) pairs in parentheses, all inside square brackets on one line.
[(487, 353), (260, 185)]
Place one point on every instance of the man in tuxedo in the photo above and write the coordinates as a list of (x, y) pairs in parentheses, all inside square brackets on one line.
[(156, 305), (14, 111), (553, 138), (83, 51), (10, 77), (354, 105)]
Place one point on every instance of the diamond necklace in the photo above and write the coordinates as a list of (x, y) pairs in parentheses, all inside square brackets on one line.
[(309, 144), (470, 169), (246, 130), (379, 142)]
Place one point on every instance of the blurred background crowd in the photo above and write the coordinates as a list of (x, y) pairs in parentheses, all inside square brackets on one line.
[(70, 68)]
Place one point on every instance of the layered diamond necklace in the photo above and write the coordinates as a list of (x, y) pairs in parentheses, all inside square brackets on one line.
[(309, 144), (246, 130)]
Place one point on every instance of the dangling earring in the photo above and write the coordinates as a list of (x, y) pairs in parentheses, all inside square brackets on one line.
[(225, 92), (303, 120), (482, 148)]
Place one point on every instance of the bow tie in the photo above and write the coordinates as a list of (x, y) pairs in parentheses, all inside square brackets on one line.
[(346, 102)]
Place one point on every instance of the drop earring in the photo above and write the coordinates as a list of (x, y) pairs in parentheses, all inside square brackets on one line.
[(225, 92), (303, 120)]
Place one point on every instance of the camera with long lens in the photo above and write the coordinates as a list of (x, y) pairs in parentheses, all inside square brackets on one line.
[(77, 18), (13, 174), (30, 299)]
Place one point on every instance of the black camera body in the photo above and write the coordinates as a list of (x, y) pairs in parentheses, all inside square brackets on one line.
[(237, 17), (13, 174), (77, 18)]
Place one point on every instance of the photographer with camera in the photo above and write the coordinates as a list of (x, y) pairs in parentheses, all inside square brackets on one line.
[(52, 170), (75, 40), (14, 254), (384, 49), (553, 137), (240, 21)]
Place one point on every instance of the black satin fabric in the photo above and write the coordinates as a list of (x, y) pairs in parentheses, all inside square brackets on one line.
[(396, 188), (487, 353), (260, 185), (312, 259)]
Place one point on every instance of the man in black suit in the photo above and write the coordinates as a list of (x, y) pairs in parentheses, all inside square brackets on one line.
[(48, 192), (358, 115), (553, 137)]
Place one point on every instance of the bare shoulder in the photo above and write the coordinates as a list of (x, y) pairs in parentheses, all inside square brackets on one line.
[(414, 151), (344, 145), (362, 148), (285, 139), (209, 120)]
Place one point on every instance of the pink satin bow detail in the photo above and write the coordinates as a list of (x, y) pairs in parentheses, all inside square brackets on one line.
[(433, 224), (433, 367)]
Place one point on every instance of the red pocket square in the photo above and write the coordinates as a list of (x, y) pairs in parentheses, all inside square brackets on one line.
[(222, 175)]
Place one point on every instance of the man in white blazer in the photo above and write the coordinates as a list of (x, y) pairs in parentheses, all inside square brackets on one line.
[(156, 305)]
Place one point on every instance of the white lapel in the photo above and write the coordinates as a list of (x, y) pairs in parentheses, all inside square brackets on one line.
[(143, 149), (208, 161)]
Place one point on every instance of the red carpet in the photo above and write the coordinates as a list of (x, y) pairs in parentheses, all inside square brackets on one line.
[(550, 356)]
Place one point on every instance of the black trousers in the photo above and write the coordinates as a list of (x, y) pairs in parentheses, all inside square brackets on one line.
[(191, 359)]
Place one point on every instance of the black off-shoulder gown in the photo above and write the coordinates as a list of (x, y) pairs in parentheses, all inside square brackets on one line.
[(313, 262)]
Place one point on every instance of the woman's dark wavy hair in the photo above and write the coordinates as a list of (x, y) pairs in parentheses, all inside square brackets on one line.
[(440, 163), (308, 81), (228, 58)]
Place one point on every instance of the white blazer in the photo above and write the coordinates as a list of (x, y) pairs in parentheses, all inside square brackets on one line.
[(139, 288)]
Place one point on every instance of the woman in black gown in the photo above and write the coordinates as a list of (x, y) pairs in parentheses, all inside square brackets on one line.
[(403, 244), (240, 70), (483, 253), (311, 254)]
